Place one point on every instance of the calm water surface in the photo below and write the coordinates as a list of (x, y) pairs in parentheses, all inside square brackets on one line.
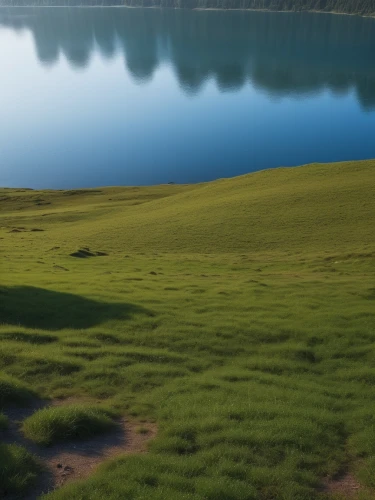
[(113, 96)]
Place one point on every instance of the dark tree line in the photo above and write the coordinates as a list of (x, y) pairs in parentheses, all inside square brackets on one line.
[(361, 7)]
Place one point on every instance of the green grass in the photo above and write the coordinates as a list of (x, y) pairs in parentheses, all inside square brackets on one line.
[(18, 470), (12, 391), (3, 422), (238, 315), (51, 425)]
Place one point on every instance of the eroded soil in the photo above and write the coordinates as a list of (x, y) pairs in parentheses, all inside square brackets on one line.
[(71, 460)]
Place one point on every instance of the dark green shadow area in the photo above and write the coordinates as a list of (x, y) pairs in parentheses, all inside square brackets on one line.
[(18, 471), (33, 307)]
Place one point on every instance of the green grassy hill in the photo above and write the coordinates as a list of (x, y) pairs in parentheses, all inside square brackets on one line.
[(312, 208), (238, 315)]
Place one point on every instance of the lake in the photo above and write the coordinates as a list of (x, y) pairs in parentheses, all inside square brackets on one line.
[(116, 96)]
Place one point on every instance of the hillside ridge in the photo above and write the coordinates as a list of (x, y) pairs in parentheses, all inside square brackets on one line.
[(318, 206)]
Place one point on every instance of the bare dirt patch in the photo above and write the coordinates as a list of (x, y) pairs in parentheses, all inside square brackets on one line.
[(72, 460), (77, 460), (345, 486)]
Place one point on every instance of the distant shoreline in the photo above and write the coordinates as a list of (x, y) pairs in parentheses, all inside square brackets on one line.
[(197, 8)]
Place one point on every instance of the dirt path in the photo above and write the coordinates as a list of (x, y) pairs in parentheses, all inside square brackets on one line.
[(344, 486), (71, 460)]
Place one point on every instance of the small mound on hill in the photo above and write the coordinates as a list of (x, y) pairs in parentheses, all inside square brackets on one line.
[(85, 252), (13, 392), (54, 424)]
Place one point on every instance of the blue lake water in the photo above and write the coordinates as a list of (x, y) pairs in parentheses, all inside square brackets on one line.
[(115, 96)]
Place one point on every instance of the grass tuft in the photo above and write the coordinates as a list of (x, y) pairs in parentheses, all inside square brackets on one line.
[(50, 425)]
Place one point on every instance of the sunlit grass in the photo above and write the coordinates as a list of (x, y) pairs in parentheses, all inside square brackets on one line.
[(50, 425), (239, 315)]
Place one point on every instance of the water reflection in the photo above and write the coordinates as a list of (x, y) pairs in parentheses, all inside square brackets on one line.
[(279, 53)]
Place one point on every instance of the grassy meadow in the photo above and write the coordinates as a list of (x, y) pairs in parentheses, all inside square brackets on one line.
[(238, 315)]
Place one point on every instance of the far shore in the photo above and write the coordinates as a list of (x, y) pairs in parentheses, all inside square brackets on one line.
[(371, 16)]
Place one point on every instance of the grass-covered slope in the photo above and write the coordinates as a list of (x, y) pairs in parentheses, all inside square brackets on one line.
[(312, 208), (238, 314), (276, 210)]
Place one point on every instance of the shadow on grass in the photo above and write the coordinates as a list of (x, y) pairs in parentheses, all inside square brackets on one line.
[(33, 307), (18, 470)]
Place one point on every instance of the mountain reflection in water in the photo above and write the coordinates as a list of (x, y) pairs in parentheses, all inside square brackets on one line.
[(279, 53)]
